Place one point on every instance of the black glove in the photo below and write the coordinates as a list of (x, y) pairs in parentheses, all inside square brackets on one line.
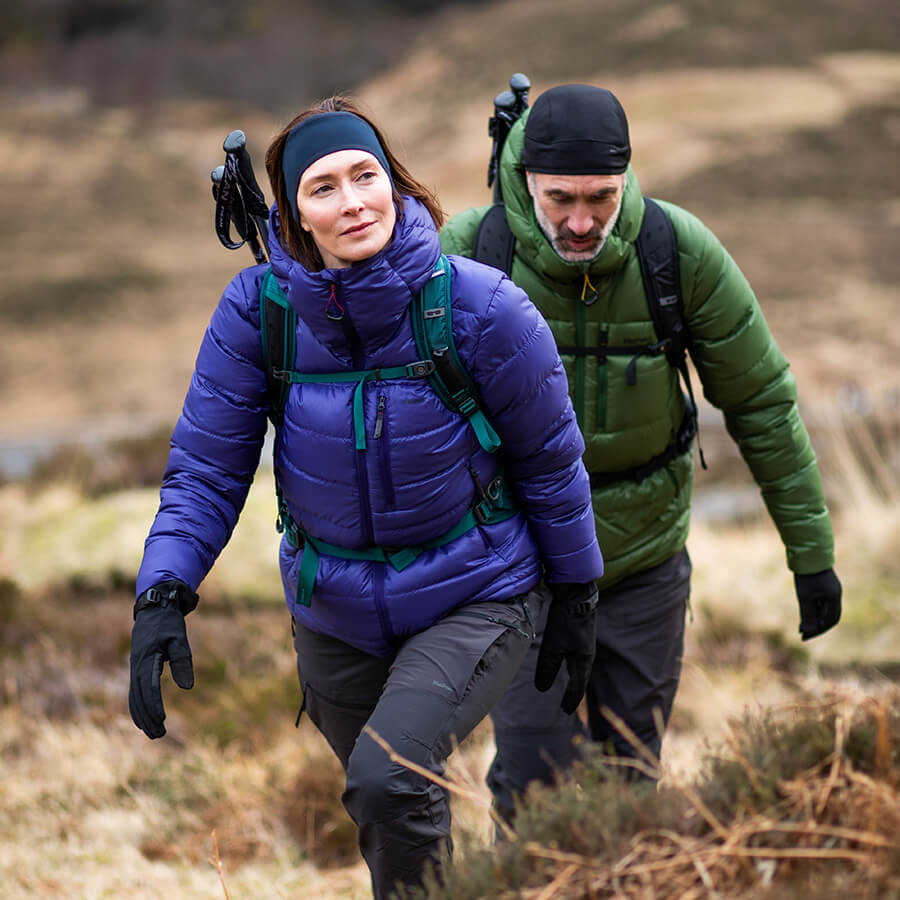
[(568, 635), (158, 635), (819, 597)]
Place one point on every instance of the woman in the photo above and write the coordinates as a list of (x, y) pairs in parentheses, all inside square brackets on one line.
[(417, 652)]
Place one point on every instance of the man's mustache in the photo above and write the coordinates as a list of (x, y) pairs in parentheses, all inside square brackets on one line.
[(567, 234)]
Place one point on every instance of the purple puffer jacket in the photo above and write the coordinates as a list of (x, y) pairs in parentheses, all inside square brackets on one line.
[(414, 480)]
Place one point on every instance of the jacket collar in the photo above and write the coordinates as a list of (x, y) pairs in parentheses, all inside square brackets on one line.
[(371, 296)]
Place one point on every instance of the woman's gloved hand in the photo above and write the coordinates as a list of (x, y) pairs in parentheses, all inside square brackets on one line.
[(158, 635), (568, 637)]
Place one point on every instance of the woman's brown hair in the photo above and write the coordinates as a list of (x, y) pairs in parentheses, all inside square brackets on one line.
[(296, 241)]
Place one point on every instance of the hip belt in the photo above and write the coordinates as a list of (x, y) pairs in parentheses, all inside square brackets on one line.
[(678, 447)]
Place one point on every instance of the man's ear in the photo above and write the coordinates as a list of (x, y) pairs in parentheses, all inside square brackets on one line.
[(529, 180)]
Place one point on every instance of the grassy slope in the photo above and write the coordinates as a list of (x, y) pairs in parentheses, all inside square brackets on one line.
[(86, 795)]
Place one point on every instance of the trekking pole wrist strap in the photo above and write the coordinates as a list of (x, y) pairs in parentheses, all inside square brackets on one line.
[(168, 593)]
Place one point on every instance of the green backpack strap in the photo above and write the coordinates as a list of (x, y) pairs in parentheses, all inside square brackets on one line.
[(278, 333), (432, 326)]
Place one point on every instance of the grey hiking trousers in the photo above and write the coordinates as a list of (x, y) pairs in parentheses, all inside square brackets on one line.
[(640, 644), (437, 687)]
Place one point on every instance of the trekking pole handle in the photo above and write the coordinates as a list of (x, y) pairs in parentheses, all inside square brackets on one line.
[(216, 176), (498, 127), (520, 85), (508, 106), (256, 212), (236, 145)]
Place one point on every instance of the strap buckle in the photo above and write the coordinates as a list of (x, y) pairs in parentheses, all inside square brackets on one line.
[(482, 511), (490, 497), (421, 368)]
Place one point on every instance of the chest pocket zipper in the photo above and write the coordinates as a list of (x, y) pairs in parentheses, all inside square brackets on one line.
[(380, 434)]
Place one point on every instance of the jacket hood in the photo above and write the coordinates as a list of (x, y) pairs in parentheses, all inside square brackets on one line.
[(545, 261), (371, 295)]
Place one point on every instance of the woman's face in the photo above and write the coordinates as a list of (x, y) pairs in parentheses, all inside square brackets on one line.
[(345, 201)]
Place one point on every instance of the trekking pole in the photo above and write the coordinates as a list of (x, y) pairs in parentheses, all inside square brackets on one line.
[(239, 200), (508, 106)]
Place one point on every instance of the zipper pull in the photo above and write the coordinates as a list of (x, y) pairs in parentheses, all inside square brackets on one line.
[(379, 418), (589, 293), (336, 313)]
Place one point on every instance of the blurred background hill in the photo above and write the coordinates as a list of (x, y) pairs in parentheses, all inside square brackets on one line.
[(780, 127), (778, 124)]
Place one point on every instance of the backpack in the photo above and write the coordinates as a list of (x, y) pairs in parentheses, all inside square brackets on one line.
[(438, 362), (657, 252)]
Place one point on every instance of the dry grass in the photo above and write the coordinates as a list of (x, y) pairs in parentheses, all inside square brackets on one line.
[(93, 810), (801, 799), (86, 794)]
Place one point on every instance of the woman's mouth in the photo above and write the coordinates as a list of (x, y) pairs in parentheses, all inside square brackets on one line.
[(356, 229)]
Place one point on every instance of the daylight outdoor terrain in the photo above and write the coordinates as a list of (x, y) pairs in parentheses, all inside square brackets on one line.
[(778, 124)]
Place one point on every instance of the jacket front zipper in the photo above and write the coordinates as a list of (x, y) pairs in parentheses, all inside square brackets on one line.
[(356, 361)]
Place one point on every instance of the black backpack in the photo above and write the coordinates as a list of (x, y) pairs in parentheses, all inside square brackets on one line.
[(657, 250)]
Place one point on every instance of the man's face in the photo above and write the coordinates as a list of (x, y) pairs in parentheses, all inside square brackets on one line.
[(576, 212)]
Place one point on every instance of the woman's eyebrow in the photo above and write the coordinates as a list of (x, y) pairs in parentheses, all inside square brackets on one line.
[(324, 176)]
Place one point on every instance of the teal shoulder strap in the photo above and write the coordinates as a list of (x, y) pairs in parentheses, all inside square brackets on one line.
[(278, 333), (432, 324)]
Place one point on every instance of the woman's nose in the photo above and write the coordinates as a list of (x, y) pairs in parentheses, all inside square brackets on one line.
[(351, 201)]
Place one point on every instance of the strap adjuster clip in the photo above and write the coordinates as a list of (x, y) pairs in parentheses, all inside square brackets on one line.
[(422, 368), (482, 511)]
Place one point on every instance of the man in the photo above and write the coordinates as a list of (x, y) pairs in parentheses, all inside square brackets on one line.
[(574, 207)]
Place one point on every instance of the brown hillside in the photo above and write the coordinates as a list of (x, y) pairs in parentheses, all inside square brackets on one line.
[(779, 126)]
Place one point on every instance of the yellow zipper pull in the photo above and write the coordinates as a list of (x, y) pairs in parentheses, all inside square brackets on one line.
[(589, 293)]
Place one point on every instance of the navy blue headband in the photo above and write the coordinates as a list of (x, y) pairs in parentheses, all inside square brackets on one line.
[(320, 135)]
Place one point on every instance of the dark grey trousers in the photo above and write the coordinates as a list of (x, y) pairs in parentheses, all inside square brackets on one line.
[(640, 643), (437, 687)]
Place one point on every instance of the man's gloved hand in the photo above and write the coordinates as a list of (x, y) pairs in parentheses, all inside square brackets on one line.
[(819, 597), (159, 634), (568, 636)]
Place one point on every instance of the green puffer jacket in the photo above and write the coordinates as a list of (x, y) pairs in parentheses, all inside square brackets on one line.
[(743, 373)]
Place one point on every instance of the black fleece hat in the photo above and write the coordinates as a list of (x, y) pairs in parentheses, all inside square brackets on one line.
[(576, 129)]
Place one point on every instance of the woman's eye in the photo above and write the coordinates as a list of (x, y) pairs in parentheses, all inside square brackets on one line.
[(367, 176), (321, 190)]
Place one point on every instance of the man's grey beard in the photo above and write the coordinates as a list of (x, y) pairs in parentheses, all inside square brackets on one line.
[(552, 234)]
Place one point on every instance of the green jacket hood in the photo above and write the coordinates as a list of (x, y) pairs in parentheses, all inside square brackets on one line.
[(545, 261)]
